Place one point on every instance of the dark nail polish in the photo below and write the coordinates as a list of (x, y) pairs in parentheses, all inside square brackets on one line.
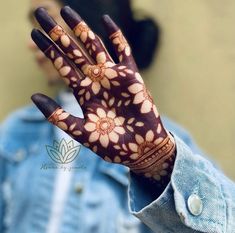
[(46, 21), (70, 16), (45, 104), (110, 26), (40, 40)]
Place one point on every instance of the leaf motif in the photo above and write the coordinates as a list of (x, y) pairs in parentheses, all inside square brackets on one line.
[(63, 147), (71, 154), (55, 144), (54, 154), (63, 152), (70, 144)]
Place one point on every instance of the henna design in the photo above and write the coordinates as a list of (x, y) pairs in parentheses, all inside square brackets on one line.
[(58, 118), (122, 46), (121, 122), (72, 50), (83, 32), (62, 39), (97, 76)]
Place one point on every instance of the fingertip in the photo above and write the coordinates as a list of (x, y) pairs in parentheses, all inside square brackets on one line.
[(106, 18), (45, 104), (43, 18), (70, 16), (40, 39), (39, 11), (34, 33), (109, 24), (65, 10)]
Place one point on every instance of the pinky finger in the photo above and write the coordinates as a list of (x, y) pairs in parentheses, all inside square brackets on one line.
[(120, 44), (73, 126)]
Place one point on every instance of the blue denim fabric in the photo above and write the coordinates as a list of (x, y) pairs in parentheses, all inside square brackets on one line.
[(101, 205), (192, 174), (26, 189)]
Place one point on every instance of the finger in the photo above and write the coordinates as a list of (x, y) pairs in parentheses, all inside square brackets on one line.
[(121, 46), (62, 39), (59, 60), (74, 126), (91, 41)]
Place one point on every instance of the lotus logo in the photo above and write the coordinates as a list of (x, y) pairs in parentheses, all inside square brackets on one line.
[(63, 152)]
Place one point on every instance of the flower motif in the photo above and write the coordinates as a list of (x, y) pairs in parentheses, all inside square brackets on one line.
[(120, 40), (83, 32), (142, 96), (57, 118), (58, 33), (104, 127), (142, 145), (98, 75), (63, 152)]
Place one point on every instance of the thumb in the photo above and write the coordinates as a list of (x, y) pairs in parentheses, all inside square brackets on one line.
[(74, 126)]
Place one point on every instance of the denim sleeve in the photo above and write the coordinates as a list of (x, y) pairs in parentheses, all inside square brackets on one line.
[(1, 194), (173, 211)]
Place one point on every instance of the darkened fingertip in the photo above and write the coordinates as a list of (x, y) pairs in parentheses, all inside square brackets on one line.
[(45, 104), (70, 16), (40, 40), (109, 24), (44, 19)]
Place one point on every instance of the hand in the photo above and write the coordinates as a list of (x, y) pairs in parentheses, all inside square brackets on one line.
[(121, 123)]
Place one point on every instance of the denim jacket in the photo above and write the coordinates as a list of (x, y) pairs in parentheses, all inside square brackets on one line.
[(102, 196)]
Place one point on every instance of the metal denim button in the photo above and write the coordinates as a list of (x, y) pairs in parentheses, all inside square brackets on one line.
[(195, 205), (78, 188)]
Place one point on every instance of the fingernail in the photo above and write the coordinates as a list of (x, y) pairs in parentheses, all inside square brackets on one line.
[(71, 17), (110, 26), (45, 104), (43, 18), (40, 40)]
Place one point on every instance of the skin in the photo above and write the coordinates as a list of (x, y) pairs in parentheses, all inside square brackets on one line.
[(121, 123), (53, 7)]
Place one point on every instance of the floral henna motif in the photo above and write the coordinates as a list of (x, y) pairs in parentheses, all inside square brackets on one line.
[(68, 73), (91, 42), (122, 45), (105, 127), (141, 96), (97, 76), (83, 32), (58, 33), (58, 117), (67, 44), (121, 122)]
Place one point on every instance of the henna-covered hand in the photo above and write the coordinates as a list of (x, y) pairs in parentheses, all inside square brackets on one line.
[(121, 123)]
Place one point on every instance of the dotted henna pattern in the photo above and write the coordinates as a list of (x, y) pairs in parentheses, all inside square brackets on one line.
[(121, 122)]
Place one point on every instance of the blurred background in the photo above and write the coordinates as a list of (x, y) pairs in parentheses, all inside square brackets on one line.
[(192, 77)]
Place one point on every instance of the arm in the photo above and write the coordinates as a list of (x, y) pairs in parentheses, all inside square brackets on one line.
[(121, 123)]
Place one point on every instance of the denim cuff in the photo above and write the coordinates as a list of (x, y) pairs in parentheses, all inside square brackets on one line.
[(192, 201)]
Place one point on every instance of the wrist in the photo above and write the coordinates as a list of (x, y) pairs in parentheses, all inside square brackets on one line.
[(157, 164)]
